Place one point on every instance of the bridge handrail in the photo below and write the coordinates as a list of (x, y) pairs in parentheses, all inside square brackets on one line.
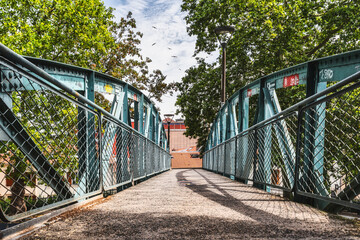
[(310, 150), (101, 140)]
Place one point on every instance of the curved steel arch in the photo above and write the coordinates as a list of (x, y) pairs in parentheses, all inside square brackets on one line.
[(85, 80)]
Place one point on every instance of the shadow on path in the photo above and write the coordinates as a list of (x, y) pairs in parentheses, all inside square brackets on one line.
[(264, 217)]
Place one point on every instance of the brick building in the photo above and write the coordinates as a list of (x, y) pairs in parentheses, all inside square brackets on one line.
[(182, 148)]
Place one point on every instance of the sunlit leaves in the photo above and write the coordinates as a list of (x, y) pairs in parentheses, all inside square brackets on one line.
[(270, 35)]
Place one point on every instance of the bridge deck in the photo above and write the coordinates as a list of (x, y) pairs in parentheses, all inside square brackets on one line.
[(196, 204)]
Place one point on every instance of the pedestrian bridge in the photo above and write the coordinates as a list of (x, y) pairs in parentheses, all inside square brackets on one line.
[(68, 134)]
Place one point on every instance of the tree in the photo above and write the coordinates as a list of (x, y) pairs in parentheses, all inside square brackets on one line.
[(269, 36), (199, 99), (125, 61), (81, 33)]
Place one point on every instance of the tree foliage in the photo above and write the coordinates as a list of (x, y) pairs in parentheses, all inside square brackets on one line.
[(269, 36), (82, 33), (199, 100)]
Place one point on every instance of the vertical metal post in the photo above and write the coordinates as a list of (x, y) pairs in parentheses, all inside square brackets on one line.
[(82, 155), (235, 157), (119, 152), (255, 155), (264, 161), (125, 108), (93, 167), (314, 136), (136, 115), (101, 171), (224, 156), (297, 197), (157, 126), (246, 156), (223, 77), (132, 158), (141, 115), (168, 123)]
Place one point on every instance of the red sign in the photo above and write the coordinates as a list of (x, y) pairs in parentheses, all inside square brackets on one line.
[(249, 93), (292, 80)]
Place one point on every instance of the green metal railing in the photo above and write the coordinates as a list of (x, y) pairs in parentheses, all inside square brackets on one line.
[(311, 150), (57, 146)]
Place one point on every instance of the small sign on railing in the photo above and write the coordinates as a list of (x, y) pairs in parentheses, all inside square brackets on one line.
[(249, 93), (292, 80)]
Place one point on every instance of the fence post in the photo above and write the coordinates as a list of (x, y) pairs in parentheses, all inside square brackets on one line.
[(93, 180), (101, 173), (297, 197), (314, 128), (235, 157), (255, 155)]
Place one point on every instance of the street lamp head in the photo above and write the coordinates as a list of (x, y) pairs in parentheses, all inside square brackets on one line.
[(169, 117), (224, 29), (224, 33)]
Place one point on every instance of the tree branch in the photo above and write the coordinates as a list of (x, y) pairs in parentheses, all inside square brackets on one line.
[(321, 44)]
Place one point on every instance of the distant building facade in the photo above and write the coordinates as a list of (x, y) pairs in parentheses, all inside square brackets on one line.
[(182, 148)]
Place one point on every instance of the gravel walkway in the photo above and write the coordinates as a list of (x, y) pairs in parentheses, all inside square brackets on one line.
[(196, 204)]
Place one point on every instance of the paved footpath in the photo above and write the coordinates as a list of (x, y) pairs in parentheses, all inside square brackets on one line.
[(196, 204)]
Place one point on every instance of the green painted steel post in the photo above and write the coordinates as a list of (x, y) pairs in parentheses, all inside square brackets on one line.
[(136, 115), (82, 155), (247, 156), (313, 137), (141, 115), (156, 138), (93, 166), (125, 109), (264, 141)]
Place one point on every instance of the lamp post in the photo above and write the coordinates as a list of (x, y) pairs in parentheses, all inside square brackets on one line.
[(223, 34), (169, 117)]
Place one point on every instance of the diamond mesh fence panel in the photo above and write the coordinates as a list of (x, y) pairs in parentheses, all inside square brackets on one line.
[(227, 159), (329, 161), (276, 153), (48, 146), (149, 155), (245, 156), (215, 158), (221, 157), (230, 157), (210, 155), (127, 156)]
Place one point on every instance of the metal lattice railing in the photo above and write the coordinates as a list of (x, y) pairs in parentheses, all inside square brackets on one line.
[(56, 149), (311, 149), (329, 165), (128, 156)]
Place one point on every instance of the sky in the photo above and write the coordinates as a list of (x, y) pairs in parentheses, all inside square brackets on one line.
[(165, 40)]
